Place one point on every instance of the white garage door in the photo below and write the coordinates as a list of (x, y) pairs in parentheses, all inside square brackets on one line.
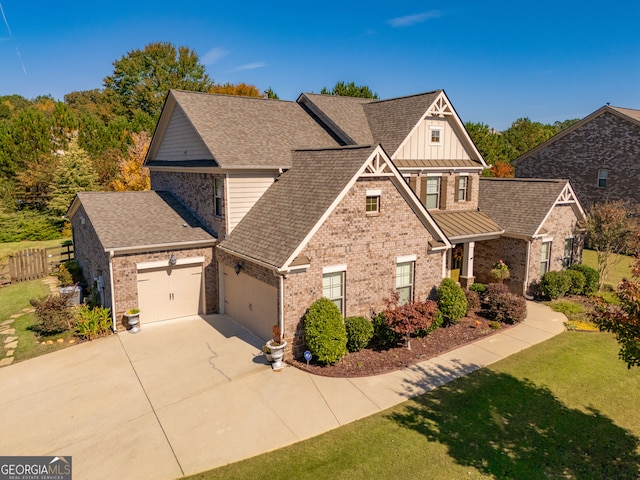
[(250, 302), (169, 292)]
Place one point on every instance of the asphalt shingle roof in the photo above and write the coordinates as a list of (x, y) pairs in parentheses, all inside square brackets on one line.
[(134, 219), (519, 205), (282, 218), (245, 132)]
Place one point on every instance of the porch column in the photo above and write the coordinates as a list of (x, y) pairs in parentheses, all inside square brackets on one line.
[(466, 275)]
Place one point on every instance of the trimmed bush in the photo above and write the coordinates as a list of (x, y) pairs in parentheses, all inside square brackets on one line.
[(93, 322), (555, 284), (383, 336), (592, 277), (452, 302), (324, 331), (578, 281), (504, 306), (473, 301), (54, 314), (478, 287), (359, 332)]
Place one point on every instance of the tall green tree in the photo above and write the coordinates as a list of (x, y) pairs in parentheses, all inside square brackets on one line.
[(142, 78), (344, 89), (524, 134), (493, 146)]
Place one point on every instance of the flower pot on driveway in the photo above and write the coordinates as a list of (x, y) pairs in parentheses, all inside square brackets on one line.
[(277, 352), (133, 319)]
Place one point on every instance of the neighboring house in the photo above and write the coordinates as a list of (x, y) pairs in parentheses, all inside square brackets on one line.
[(541, 219), (600, 155), (347, 198)]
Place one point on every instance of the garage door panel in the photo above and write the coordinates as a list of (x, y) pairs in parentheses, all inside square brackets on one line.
[(250, 302), (170, 292)]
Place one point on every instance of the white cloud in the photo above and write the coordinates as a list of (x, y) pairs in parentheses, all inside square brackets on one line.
[(251, 66), (409, 20), (213, 55)]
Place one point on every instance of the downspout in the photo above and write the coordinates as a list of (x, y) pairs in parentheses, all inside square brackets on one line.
[(526, 273), (281, 302), (113, 293)]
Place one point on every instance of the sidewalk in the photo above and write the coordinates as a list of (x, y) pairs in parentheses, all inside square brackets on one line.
[(182, 397)]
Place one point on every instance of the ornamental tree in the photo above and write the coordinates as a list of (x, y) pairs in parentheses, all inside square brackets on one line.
[(411, 317)]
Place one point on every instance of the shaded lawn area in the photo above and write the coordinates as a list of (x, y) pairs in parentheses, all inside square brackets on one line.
[(621, 269), (566, 408)]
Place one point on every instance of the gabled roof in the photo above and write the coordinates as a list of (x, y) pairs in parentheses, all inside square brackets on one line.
[(243, 132), (627, 114), (521, 205), (285, 218), (140, 220)]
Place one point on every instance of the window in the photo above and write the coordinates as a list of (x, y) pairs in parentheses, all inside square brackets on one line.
[(404, 282), (333, 288), (217, 194), (372, 204), (463, 183), (545, 257), (603, 173), (432, 197), (567, 258), (435, 136)]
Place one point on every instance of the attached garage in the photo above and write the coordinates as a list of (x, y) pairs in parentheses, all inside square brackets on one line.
[(166, 291), (250, 302)]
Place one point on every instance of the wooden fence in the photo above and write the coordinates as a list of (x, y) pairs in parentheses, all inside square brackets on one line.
[(34, 263)]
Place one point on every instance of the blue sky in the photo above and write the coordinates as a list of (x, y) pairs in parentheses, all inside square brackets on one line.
[(497, 61)]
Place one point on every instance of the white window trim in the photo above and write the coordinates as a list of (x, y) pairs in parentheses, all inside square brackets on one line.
[(605, 177), (334, 269), (406, 258), (437, 129), (374, 193)]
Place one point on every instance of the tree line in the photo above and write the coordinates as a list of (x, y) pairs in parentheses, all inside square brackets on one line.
[(97, 139)]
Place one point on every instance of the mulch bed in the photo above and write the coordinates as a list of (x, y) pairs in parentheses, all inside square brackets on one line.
[(370, 361)]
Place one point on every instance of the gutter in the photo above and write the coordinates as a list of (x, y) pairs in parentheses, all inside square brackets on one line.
[(113, 293), (162, 246), (526, 273)]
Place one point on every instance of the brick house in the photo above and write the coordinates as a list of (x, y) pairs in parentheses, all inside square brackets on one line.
[(600, 155), (348, 198)]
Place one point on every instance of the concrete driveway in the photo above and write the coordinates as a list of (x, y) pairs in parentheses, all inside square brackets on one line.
[(188, 395)]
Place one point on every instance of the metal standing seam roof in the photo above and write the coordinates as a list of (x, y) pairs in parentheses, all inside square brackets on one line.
[(520, 205), (437, 164), (465, 224), (287, 212), (245, 132), (131, 219)]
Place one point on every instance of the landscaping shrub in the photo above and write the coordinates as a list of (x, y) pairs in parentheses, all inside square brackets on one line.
[(359, 332), (504, 306), (93, 322), (555, 284), (324, 331), (383, 336), (578, 281), (452, 302), (64, 276), (54, 314), (411, 317), (76, 272), (480, 288), (473, 301), (592, 277)]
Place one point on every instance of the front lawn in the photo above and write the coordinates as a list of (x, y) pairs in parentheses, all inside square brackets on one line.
[(566, 408), (620, 270)]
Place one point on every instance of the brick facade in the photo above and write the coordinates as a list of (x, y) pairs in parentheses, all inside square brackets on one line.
[(196, 192), (607, 142), (369, 246)]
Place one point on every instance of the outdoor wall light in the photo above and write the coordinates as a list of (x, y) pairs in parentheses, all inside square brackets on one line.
[(237, 267), (172, 260)]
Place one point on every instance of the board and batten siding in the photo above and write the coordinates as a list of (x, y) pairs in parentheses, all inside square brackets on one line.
[(418, 147), (181, 142), (243, 191)]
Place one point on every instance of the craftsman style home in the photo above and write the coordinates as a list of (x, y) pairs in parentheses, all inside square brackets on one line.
[(600, 155), (259, 207)]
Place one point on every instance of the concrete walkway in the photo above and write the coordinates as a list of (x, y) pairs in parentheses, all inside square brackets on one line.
[(193, 394)]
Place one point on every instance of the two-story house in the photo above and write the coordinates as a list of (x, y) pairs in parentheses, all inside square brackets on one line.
[(262, 206)]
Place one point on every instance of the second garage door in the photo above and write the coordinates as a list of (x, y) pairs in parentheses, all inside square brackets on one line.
[(250, 302), (169, 292)]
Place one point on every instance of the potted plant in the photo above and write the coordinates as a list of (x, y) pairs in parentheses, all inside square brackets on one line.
[(500, 271), (276, 345), (267, 353), (133, 319)]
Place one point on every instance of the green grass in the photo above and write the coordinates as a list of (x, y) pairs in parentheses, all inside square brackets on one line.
[(13, 300), (620, 270), (9, 248), (566, 408)]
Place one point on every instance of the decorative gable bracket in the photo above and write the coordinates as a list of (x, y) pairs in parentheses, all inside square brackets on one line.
[(440, 108), (377, 167), (566, 197)]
